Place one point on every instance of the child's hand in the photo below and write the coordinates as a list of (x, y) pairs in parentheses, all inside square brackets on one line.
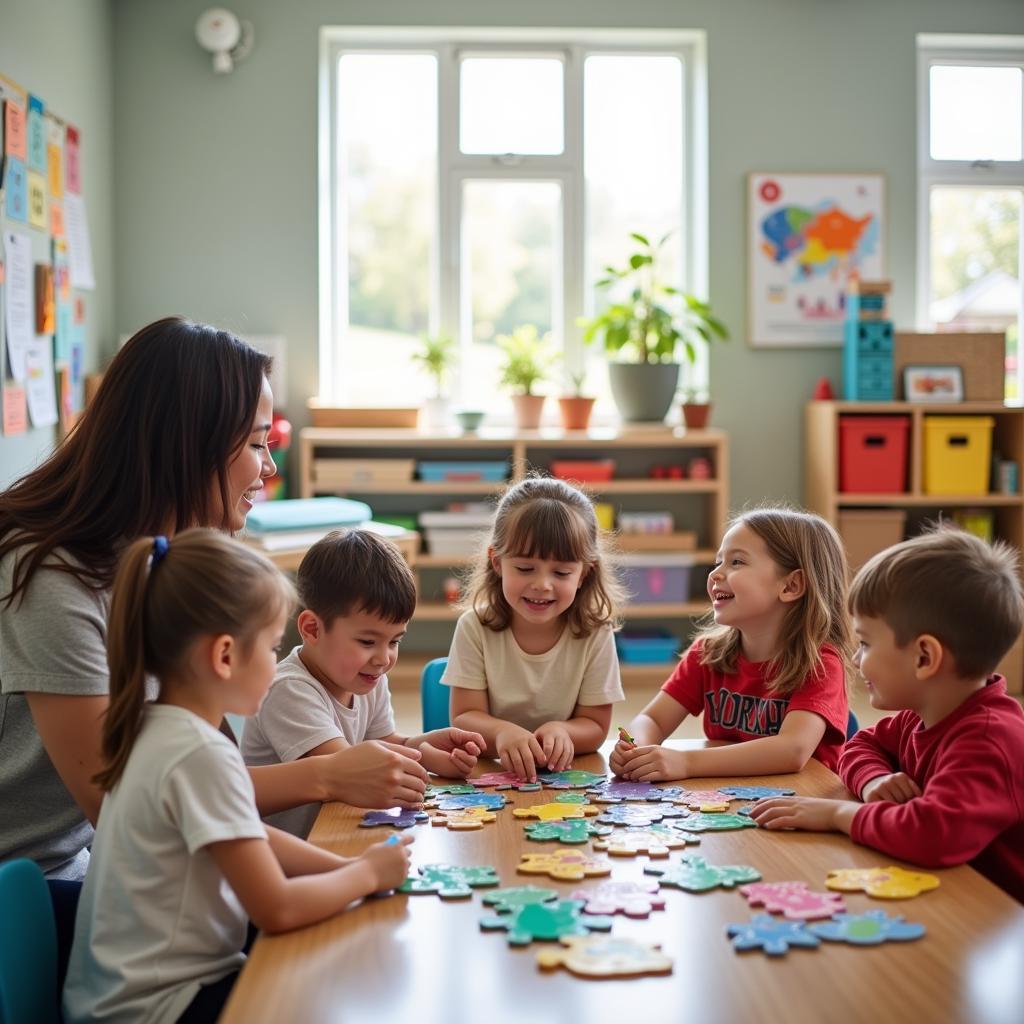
[(897, 787), (519, 752), (654, 764), (557, 745), (810, 813), (620, 757), (389, 862), (458, 750)]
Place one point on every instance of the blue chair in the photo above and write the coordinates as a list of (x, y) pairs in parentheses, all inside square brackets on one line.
[(851, 726), (434, 696), (28, 947)]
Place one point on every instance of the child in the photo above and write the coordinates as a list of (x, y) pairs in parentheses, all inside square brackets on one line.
[(357, 596), (533, 666), (180, 858), (770, 671), (942, 781)]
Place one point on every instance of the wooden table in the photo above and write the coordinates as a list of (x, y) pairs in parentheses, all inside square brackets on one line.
[(420, 960)]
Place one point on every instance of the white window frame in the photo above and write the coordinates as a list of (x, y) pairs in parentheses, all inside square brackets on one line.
[(454, 168), (972, 51)]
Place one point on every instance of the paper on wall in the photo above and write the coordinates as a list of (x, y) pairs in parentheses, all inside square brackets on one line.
[(79, 248), (18, 308)]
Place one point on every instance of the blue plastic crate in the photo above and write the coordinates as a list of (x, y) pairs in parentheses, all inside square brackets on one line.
[(647, 647), (462, 472)]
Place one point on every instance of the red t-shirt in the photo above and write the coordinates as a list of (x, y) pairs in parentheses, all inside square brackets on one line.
[(737, 706)]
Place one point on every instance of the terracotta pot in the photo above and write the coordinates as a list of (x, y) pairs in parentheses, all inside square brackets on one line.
[(528, 409), (576, 412), (696, 415)]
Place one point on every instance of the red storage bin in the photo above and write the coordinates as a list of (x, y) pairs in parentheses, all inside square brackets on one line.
[(873, 454)]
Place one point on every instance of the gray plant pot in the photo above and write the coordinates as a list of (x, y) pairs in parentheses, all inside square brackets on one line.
[(643, 392)]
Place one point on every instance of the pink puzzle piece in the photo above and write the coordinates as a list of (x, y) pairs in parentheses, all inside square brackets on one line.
[(697, 799), (634, 899), (793, 900)]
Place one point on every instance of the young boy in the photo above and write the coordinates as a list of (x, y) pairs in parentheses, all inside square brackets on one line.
[(357, 596), (943, 780)]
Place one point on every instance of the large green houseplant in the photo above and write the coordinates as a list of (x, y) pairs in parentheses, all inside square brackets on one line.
[(528, 360), (651, 325)]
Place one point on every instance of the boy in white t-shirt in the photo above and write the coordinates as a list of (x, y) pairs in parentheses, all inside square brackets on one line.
[(357, 596)]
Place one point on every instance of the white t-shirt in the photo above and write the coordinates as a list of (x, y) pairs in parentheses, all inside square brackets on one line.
[(531, 689), (297, 715), (157, 919)]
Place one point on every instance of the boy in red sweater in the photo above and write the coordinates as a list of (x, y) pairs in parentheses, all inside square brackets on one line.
[(942, 781)]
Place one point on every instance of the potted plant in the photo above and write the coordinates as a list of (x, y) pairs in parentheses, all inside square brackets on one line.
[(528, 361), (696, 408), (651, 326), (576, 408), (436, 357)]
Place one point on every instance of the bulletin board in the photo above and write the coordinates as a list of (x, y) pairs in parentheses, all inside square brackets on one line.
[(45, 264)]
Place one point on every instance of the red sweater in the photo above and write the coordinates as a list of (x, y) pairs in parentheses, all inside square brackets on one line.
[(970, 770), (739, 706)]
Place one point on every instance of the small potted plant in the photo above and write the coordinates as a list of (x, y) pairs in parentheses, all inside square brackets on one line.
[(436, 357), (528, 361), (696, 408), (576, 408)]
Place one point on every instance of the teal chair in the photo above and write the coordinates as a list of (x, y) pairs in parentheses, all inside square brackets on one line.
[(852, 725), (28, 947), (434, 696)]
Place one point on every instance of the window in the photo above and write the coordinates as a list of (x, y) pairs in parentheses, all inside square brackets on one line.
[(971, 190), (473, 182)]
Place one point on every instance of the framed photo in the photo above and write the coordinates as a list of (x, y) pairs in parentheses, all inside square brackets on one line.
[(933, 383), (806, 235)]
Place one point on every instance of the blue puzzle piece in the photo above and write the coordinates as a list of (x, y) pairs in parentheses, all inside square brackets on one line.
[(397, 817), (756, 792), (618, 790), (771, 934), (639, 814), (574, 778), (492, 801), (871, 928)]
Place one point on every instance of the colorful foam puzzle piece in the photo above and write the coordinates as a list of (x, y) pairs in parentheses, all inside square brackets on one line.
[(555, 812), (545, 922), (573, 831), (564, 865), (639, 814), (888, 883), (793, 900), (396, 817), (504, 900), (868, 929), (438, 789), (717, 822), (633, 899), (492, 801), (771, 934), (504, 780), (464, 819), (450, 881), (697, 799), (606, 956), (570, 797), (695, 874), (574, 778), (655, 841), (713, 808), (756, 792), (618, 791)]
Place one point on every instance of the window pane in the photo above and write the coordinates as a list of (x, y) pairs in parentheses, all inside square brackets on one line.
[(975, 113), (511, 105), (511, 258), (975, 261), (387, 180)]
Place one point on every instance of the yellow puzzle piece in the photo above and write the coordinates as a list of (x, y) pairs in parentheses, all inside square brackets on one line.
[(556, 812), (888, 883), (606, 956), (567, 865), (464, 819)]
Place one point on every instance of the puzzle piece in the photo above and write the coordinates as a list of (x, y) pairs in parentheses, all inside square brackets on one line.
[(450, 881), (396, 817), (555, 812), (565, 865), (492, 801), (640, 815), (793, 900), (696, 799), (575, 778), (617, 791), (504, 900), (756, 792), (889, 883), (695, 874), (655, 841), (576, 830), (569, 797), (775, 937), (464, 819), (545, 922), (606, 956), (717, 822), (504, 780), (634, 899), (436, 789), (868, 929), (713, 808)]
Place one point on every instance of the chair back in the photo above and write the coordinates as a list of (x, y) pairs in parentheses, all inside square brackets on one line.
[(851, 726), (434, 696)]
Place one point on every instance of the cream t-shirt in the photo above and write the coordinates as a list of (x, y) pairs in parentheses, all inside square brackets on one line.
[(531, 689)]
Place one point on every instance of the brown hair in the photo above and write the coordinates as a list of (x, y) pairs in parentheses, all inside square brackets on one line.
[(541, 517), (356, 570), (795, 540), (205, 584), (952, 585), (175, 404)]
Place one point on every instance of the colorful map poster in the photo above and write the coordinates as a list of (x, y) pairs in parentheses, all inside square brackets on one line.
[(808, 233)]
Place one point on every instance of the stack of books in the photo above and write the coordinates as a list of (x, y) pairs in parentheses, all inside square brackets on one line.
[(300, 522)]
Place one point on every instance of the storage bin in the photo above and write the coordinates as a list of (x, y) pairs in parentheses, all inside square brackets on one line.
[(865, 532), (873, 454), (583, 470), (646, 647), (462, 472), (604, 512), (957, 454), (656, 579), (979, 521), (454, 543)]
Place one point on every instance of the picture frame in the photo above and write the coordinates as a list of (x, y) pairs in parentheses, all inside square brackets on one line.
[(807, 234), (939, 383)]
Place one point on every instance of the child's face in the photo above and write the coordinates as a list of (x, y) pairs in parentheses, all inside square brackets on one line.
[(746, 585), (356, 650), (256, 670), (538, 590), (887, 668)]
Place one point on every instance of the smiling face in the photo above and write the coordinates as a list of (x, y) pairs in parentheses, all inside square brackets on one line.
[(888, 669), (538, 590), (250, 465)]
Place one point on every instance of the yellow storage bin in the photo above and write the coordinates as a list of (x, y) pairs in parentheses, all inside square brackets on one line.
[(957, 454)]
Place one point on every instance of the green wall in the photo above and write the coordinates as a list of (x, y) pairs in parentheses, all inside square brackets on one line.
[(62, 51)]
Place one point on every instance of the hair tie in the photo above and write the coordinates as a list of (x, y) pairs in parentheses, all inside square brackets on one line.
[(160, 546)]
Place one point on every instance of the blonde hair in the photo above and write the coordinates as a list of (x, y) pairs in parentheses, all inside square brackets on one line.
[(804, 541), (166, 594), (541, 517)]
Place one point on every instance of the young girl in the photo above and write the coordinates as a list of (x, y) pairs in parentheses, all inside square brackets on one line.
[(532, 666), (770, 671), (180, 859)]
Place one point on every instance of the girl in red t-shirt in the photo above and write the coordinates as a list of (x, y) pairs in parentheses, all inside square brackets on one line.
[(769, 674)]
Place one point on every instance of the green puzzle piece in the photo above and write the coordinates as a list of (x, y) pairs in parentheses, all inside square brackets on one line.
[(450, 881), (504, 900), (570, 798), (719, 822), (546, 922), (574, 778), (575, 830), (448, 789), (695, 874)]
